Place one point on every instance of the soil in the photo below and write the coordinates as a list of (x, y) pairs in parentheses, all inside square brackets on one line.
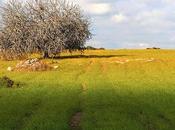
[(75, 121)]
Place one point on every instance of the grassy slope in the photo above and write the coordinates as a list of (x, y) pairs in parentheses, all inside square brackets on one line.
[(134, 96)]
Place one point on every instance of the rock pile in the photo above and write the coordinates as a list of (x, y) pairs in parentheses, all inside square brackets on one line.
[(32, 65)]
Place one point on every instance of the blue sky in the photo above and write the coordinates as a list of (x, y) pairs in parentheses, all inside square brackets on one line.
[(131, 23)]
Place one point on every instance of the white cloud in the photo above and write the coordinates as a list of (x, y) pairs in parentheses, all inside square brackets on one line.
[(94, 7), (119, 18), (172, 39), (94, 43), (143, 45), (169, 2), (139, 45), (98, 8), (151, 14)]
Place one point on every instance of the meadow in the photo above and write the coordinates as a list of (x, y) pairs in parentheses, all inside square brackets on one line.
[(112, 89)]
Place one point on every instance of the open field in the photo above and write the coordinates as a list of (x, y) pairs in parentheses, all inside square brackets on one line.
[(113, 90)]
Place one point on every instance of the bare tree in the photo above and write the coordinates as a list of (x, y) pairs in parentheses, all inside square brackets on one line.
[(47, 26), (13, 30)]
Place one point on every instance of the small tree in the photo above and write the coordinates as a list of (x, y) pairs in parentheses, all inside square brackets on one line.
[(47, 26)]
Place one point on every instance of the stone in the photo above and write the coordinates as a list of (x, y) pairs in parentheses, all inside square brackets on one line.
[(55, 67), (9, 69), (32, 65)]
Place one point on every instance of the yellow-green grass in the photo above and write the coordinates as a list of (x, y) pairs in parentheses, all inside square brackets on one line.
[(136, 95)]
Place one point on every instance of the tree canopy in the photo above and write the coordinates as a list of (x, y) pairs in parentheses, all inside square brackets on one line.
[(46, 26)]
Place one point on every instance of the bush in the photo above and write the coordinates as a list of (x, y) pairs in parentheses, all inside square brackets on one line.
[(6, 82)]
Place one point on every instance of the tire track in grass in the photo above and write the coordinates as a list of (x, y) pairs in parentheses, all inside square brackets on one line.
[(144, 119), (146, 122), (86, 68), (76, 118), (113, 87), (103, 67)]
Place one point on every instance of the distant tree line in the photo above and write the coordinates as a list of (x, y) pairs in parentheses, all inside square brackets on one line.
[(153, 48), (93, 48), (46, 26)]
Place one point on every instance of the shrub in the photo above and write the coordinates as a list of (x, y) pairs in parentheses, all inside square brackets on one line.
[(6, 82)]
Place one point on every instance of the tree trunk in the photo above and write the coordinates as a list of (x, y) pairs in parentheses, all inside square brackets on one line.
[(45, 54)]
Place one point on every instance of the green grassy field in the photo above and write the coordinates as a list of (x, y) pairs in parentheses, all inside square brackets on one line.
[(136, 95)]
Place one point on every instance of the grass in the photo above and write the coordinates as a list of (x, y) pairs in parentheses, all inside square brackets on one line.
[(136, 95)]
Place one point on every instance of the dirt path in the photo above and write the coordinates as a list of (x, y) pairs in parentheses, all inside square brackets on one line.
[(76, 118), (75, 121), (86, 69)]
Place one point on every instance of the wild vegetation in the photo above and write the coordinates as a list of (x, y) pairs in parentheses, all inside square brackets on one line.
[(109, 90), (98, 90), (46, 26)]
